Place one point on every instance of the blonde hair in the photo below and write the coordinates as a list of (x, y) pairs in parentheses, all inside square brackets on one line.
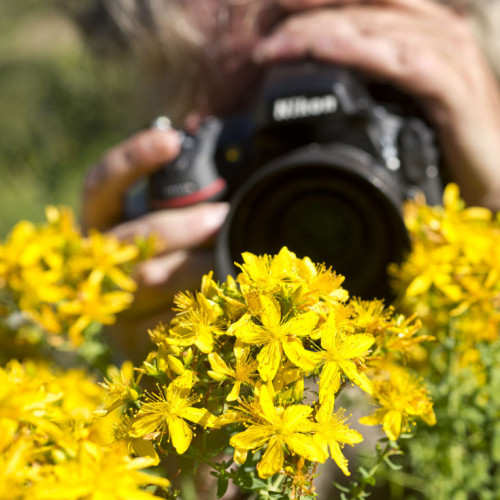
[(168, 45), (176, 51)]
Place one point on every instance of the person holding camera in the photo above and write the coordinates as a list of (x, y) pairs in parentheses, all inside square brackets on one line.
[(215, 51)]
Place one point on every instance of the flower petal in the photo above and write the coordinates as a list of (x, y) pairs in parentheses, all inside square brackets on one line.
[(269, 360), (338, 456), (218, 364), (329, 381), (180, 388), (205, 342), (254, 437), (301, 325), (328, 333), (375, 419), (271, 311), (267, 404), (296, 353), (180, 434), (273, 458), (355, 346), (235, 392), (145, 448), (252, 334), (306, 447), (359, 378), (295, 418), (392, 424), (199, 416)]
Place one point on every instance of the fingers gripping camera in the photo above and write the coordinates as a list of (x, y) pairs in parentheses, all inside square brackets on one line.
[(322, 163)]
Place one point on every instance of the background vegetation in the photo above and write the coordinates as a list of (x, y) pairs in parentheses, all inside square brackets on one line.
[(61, 103)]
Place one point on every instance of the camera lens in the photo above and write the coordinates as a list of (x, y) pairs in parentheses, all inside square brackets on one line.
[(327, 204)]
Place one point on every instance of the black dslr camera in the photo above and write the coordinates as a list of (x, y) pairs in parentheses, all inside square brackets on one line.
[(321, 164)]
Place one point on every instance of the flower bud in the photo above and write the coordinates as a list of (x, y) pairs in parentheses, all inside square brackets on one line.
[(175, 349), (297, 294), (187, 357), (162, 358), (298, 390), (58, 456), (240, 456), (131, 394), (150, 369), (175, 364), (217, 376)]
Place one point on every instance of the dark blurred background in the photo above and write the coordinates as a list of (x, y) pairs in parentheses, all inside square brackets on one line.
[(63, 101)]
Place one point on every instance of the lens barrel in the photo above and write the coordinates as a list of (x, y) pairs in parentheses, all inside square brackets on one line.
[(332, 203)]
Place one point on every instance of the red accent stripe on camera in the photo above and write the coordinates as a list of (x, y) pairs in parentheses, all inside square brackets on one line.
[(191, 199)]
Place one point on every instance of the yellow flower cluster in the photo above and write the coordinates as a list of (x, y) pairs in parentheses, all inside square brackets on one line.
[(452, 275), (63, 281), (52, 448), (243, 357)]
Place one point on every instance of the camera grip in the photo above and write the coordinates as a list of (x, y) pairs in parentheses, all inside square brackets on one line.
[(193, 176)]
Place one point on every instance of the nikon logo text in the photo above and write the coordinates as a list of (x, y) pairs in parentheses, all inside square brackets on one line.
[(304, 107)]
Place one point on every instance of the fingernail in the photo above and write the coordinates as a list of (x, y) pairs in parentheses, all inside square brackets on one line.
[(215, 215), (163, 123)]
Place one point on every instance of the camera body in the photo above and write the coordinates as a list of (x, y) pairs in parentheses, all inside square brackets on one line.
[(320, 163)]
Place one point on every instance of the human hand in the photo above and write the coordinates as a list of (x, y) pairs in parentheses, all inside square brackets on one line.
[(424, 48), (183, 231)]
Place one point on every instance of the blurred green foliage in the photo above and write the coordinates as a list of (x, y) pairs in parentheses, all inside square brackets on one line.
[(459, 458), (61, 106)]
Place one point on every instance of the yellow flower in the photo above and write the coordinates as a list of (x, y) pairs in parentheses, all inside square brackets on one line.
[(15, 474), (331, 432), (401, 334), (321, 282), (97, 473), (400, 397), (267, 273), (118, 389), (102, 255), (371, 315), (286, 375), (46, 317), (339, 350), (435, 268), (170, 411), (198, 326), (280, 427), (278, 337), (93, 305), (122, 431), (242, 373)]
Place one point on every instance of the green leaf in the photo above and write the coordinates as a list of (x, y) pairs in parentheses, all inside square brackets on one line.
[(340, 487), (392, 465), (222, 485)]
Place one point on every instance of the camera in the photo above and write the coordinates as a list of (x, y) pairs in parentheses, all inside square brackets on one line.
[(321, 162)]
